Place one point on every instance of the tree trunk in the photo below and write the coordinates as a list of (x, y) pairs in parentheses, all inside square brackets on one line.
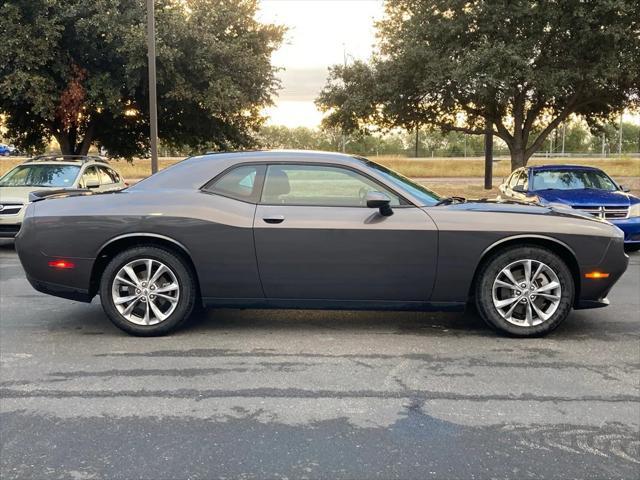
[(518, 157), (69, 145)]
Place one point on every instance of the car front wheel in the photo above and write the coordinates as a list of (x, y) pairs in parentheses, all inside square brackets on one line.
[(525, 291), (147, 291)]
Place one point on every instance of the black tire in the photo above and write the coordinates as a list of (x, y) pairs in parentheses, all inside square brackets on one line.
[(490, 270), (634, 247), (185, 279)]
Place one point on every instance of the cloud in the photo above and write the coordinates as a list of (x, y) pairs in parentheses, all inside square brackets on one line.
[(301, 85)]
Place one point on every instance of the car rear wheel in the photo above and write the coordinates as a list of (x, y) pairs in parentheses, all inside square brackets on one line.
[(524, 291), (147, 291)]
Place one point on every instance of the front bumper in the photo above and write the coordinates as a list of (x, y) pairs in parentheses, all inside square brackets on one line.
[(10, 224), (592, 292), (630, 227)]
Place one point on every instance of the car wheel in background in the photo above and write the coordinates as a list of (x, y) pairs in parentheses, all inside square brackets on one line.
[(148, 291), (634, 247), (524, 291)]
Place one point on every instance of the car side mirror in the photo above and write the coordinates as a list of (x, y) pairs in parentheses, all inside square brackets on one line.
[(519, 189), (624, 189), (92, 184), (381, 201)]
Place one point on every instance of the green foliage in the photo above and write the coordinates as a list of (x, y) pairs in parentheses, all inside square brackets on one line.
[(578, 139), (213, 61), (524, 66)]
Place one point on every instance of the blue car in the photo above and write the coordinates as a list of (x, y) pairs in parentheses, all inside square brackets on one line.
[(587, 189)]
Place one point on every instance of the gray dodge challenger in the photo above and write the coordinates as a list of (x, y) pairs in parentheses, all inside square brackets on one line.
[(312, 230)]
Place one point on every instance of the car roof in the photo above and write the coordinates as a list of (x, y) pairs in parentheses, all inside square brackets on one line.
[(194, 171), (279, 155), (562, 167), (77, 163)]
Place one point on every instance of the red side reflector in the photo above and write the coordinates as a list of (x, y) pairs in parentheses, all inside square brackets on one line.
[(61, 264), (596, 275)]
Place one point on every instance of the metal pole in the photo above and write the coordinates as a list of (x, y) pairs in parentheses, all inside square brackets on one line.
[(344, 61), (153, 101), (620, 137), (417, 139), (488, 155)]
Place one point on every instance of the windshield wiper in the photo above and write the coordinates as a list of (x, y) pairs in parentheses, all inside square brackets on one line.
[(450, 200)]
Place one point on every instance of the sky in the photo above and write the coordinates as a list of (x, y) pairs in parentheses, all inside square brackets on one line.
[(320, 33)]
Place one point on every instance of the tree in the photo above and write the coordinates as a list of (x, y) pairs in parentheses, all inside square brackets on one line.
[(76, 70), (522, 66)]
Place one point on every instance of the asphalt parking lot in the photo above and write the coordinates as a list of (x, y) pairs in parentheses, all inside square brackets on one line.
[(299, 394)]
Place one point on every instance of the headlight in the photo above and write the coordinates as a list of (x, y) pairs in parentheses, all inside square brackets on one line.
[(634, 210)]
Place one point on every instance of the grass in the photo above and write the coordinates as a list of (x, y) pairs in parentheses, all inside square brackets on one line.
[(414, 167), (474, 167)]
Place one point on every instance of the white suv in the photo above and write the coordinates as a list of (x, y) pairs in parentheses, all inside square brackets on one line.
[(50, 172)]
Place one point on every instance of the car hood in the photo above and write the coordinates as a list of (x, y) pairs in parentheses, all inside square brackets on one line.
[(18, 194), (584, 197), (508, 206)]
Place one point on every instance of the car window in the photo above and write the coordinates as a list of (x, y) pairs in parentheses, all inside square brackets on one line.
[(40, 176), (514, 178), (108, 176), (572, 180), (523, 180), (319, 185), (242, 183), (90, 175), (423, 194)]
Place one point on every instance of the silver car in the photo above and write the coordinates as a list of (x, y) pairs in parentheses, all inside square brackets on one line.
[(50, 172)]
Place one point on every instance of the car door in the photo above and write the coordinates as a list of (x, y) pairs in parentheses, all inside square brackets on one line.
[(316, 239)]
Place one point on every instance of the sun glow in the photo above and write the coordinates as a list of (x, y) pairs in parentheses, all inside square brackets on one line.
[(321, 33)]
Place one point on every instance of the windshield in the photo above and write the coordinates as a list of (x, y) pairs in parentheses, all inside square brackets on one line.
[(41, 176), (572, 180), (426, 196)]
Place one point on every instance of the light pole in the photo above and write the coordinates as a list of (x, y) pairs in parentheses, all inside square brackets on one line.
[(620, 137), (153, 103)]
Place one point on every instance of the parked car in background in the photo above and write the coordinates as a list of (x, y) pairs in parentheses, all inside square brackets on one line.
[(313, 230), (587, 189), (5, 150), (13, 151), (50, 172)]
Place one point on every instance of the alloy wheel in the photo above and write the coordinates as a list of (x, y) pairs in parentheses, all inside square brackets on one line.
[(526, 293), (145, 291)]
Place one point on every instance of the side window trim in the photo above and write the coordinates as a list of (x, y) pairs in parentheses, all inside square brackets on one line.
[(404, 203), (261, 169)]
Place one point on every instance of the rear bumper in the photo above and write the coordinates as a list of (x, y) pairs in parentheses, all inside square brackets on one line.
[(62, 291), (73, 283)]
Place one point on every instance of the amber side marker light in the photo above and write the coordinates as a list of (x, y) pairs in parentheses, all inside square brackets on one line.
[(596, 275), (61, 264)]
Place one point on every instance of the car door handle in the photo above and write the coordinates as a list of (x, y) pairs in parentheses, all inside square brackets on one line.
[(274, 219)]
